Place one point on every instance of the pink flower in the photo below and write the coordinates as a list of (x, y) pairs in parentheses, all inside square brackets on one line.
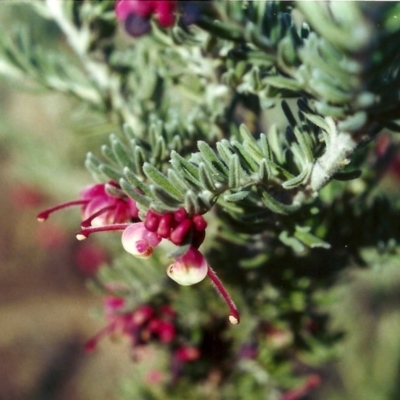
[(141, 325), (138, 241), (99, 206), (187, 353), (188, 269)]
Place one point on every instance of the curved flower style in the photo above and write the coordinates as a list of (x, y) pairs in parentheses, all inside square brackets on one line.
[(99, 206), (189, 269)]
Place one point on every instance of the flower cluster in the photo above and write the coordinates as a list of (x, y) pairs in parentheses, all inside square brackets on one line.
[(143, 325), (106, 208), (136, 14), (102, 204)]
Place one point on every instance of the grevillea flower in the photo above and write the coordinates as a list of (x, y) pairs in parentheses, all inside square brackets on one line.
[(136, 14), (188, 269), (141, 325), (102, 204), (138, 241)]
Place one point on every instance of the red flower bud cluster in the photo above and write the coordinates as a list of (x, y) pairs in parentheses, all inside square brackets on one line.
[(177, 226), (143, 325), (136, 14)]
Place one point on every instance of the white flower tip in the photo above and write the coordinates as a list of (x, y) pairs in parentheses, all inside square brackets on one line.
[(233, 320), (41, 219), (81, 237)]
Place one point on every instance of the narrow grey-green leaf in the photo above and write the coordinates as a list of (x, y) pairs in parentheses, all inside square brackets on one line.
[(159, 151), (108, 154), (136, 182), (211, 159), (121, 153), (205, 178), (292, 242), (139, 159), (264, 171), (225, 151), (282, 83), (94, 169), (177, 181), (247, 136), (161, 181), (235, 197), (234, 172), (304, 142), (309, 239), (134, 194), (192, 169), (297, 180), (164, 197), (265, 147), (246, 157), (191, 203), (277, 206), (112, 173)]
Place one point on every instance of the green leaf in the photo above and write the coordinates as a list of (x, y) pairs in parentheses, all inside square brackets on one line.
[(265, 147), (121, 153), (235, 197), (187, 165), (292, 242), (164, 197), (205, 178), (177, 181), (277, 206), (132, 192), (110, 172), (225, 150), (297, 180), (136, 182), (139, 159), (246, 157), (282, 83), (234, 172), (309, 239), (212, 161), (248, 137), (108, 154), (161, 181), (264, 171)]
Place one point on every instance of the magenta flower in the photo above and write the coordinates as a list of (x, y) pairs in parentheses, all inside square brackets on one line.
[(141, 325), (138, 241), (99, 206), (136, 14)]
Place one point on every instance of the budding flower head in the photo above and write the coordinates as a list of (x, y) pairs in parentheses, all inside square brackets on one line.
[(139, 241), (188, 269)]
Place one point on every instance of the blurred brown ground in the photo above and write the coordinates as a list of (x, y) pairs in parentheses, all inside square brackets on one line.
[(45, 307)]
